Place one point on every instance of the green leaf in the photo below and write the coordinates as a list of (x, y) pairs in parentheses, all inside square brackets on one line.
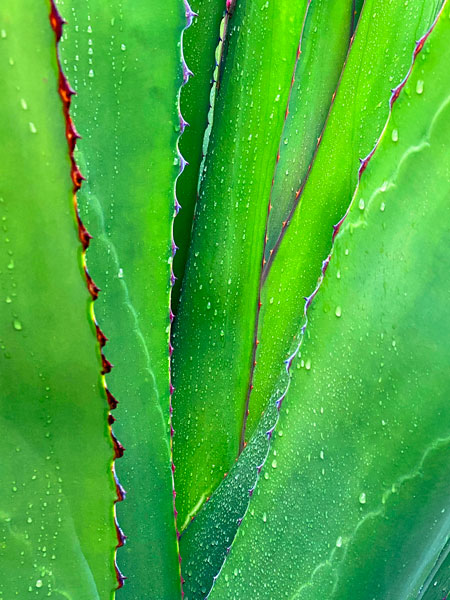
[(57, 529), (324, 46), (354, 498), (199, 46), (213, 342), (377, 62), (126, 112), (217, 522)]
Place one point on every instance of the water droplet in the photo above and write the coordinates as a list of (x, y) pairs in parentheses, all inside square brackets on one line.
[(338, 311), (91, 73), (17, 325), (382, 206), (308, 364), (3, 33), (120, 273), (123, 47), (24, 104), (362, 498), (208, 306), (32, 127), (419, 86), (11, 264), (274, 463), (394, 135), (39, 583), (339, 542), (264, 517), (361, 204), (8, 300)]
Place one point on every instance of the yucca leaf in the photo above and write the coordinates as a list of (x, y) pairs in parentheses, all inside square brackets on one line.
[(215, 322), (127, 116), (355, 495), (377, 62), (58, 536), (199, 46)]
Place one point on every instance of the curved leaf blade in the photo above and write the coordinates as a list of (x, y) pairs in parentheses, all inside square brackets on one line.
[(325, 41), (223, 269), (129, 123), (378, 60), (58, 536), (360, 463)]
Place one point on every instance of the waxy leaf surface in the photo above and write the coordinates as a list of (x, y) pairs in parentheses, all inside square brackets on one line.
[(213, 334), (200, 42), (204, 544), (355, 494), (57, 530), (125, 110), (378, 60)]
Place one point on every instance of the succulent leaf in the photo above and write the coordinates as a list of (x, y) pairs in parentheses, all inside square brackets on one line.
[(126, 113), (57, 531), (368, 518), (199, 46), (223, 269)]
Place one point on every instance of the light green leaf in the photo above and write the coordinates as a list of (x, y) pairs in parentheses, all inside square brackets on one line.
[(325, 41), (126, 113), (213, 335), (355, 495), (57, 532), (218, 520), (378, 60)]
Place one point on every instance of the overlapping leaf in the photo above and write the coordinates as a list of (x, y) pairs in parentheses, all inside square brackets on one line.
[(219, 519), (215, 322), (378, 60), (354, 498), (126, 112), (57, 528)]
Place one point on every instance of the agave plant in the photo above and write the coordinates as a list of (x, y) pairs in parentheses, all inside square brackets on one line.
[(280, 344)]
